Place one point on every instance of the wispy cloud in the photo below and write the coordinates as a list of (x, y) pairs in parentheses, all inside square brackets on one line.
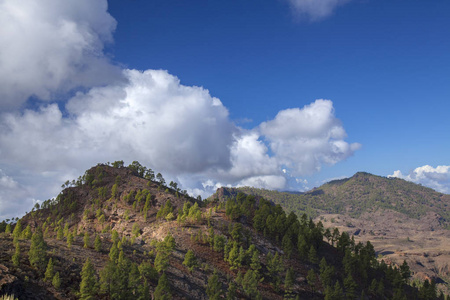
[(315, 10)]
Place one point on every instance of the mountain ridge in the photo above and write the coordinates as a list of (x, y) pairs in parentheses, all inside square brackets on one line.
[(360, 193), (403, 220), (121, 233)]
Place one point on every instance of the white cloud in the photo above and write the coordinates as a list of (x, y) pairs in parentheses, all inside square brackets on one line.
[(50, 46), (304, 139), (13, 197), (153, 119), (249, 157), (315, 9), (271, 182), (436, 178), (178, 130)]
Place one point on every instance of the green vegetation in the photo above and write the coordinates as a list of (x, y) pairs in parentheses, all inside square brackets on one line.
[(162, 291), (8, 297), (165, 210), (56, 281), (265, 249), (190, 261), (37, 254), (88, 287), (49, 271), (214, 288), (164, 249), (362, 193), (97, 244), (16, 256)]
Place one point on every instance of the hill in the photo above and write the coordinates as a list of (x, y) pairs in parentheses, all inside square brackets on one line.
[(403, 220), (362, 193), (117, 233)]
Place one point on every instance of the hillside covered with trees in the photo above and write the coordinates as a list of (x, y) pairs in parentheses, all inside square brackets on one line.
[(122, 233), (360, 194)]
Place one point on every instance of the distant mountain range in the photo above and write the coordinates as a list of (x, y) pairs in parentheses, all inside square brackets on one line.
[(404, 220), (359, 194)]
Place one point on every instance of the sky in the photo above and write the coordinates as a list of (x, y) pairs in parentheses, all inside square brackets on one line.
[(277, 94)]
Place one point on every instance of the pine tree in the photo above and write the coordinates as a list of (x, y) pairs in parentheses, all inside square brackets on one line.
[(405, 271), (60, 234), (66, 230), (214, 288), (86, 239), (255, 263), (241, 257), (38, 248), (211, 237), (98, 244), (16, 256), (134, 279), (337, 291), (312, 255), (88, 287), (350, 287), (289, 282), (239, 278), (17, 229), (326, 277), (233, 256), (231, 293), (8, 228), (274, 266), (162, 291), (190, 261), (114, 253), (26, 233), (144, 291), (69, 240), (311, 278), (380, 288), (49, 271), (250, 283), (287, 245), (115, 236), (373, 286), (107, 277), (162, 260), (56, 281)]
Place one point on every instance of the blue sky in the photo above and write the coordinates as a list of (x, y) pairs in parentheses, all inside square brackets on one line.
[(223, 92), (384, 64)]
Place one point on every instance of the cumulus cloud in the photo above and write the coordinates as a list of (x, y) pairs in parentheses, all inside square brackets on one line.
[(152, 118), (305, 139), (249, 157), (266, 182), (181, 131), (315, 9), (436, 178), (51, 47), (48, 47)]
